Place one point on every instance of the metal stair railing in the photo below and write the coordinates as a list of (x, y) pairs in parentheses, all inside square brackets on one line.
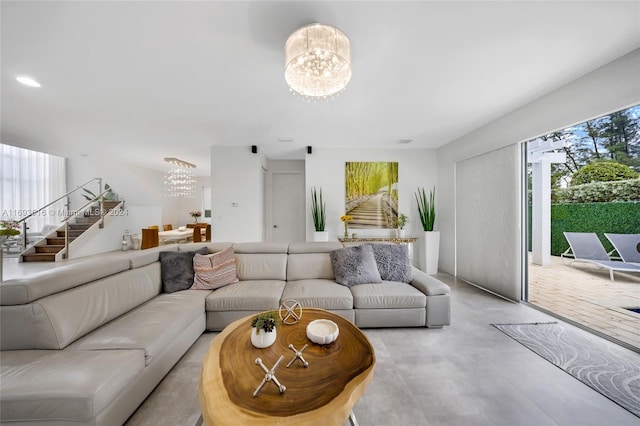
[(69, 214)]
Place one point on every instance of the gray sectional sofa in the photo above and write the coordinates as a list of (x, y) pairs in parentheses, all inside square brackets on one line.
[(87, 342)]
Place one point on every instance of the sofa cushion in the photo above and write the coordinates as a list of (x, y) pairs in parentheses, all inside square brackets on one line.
[(212, 247), (305, 266), (140, 258), (252, 295), (355, 265), (55, 321), (319, 293), (261, 266), (214, 270), (150, 327), (262, 247), (64, 387), (177, 269), (393, 262), (57, 279), (389, 294), (314, 247)]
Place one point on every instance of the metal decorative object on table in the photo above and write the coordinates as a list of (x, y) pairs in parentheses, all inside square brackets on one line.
[(298, 355), (290, 312), (269, 376)]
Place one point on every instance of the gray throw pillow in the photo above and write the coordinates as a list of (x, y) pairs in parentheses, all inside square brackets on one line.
[(355, 265), (393, 262), (177, 269)]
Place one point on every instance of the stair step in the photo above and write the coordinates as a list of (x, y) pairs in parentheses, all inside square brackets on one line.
[(72, 233), (57, 241), (49, 248), (80, 226), (87, 220), (39, 257)]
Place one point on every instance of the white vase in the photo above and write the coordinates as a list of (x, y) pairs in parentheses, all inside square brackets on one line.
[(261, 338), (430, 249), (400, 233), (321, 236)]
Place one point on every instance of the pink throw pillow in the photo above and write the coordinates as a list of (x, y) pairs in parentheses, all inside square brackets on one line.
[(214, 270)]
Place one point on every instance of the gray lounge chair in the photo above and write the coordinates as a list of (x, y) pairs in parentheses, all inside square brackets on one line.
[(627, 246), (586, 247)]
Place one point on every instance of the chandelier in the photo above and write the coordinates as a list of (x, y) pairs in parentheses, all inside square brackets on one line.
[(179, 180), (318, 61)]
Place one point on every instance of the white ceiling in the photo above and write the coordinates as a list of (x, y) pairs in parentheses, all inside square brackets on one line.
[(144, 80)]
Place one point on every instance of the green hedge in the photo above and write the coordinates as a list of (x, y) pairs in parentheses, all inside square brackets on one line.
[(617, 218)]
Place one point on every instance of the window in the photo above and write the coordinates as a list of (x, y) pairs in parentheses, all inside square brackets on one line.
[(30, 180)]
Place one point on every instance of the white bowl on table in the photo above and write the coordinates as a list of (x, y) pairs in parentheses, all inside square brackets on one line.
[(322, 331)]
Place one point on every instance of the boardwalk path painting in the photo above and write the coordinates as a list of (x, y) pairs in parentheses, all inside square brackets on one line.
[(371, 194)]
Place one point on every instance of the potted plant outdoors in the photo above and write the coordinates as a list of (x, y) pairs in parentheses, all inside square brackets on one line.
[(400, 222), (318, 211), (263, 331), (430, 246)]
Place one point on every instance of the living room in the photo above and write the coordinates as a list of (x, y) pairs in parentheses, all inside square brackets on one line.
[(510, 72)]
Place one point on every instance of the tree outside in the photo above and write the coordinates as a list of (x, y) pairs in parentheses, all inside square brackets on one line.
[(614, 137)]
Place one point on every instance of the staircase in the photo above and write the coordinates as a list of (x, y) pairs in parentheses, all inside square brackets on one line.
[(46, 250)]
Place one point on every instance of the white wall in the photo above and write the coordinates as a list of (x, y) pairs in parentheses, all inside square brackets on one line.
[(325, 169), (612, 87), (237, 194)]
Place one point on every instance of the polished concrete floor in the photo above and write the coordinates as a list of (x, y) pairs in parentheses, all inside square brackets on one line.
[(466, 374)]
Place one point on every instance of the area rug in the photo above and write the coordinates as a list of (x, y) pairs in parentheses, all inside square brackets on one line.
[(609, 369)]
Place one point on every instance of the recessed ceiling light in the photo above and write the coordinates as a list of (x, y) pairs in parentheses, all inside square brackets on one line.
[(285, 139), (27, 81), (405, 141)]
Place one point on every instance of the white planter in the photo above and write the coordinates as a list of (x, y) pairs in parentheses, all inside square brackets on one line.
[(321, 236), (400, 233), (430, 249), (262, 339)]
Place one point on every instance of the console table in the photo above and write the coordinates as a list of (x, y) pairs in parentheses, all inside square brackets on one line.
[(395, 240)]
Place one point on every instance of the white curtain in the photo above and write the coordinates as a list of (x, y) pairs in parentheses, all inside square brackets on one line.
[(31, 180), (488, 221)]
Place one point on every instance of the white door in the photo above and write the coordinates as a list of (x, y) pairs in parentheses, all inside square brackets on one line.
[(287, 207)]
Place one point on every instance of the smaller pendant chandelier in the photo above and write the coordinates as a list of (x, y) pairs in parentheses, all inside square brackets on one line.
[(318, 61), (179, 180)]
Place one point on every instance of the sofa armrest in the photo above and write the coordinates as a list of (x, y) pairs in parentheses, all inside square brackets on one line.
[(427, 284)]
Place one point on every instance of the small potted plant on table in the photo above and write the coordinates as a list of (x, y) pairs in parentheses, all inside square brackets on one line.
[(263, 332), (401, 222)]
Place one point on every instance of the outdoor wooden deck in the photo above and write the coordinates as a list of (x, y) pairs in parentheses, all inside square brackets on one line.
[(586, 295)]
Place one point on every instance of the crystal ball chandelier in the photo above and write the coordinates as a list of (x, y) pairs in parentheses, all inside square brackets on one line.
[(318, 61), (179, 180)]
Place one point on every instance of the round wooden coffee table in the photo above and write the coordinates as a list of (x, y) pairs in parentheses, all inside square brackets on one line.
[(321, 394)]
